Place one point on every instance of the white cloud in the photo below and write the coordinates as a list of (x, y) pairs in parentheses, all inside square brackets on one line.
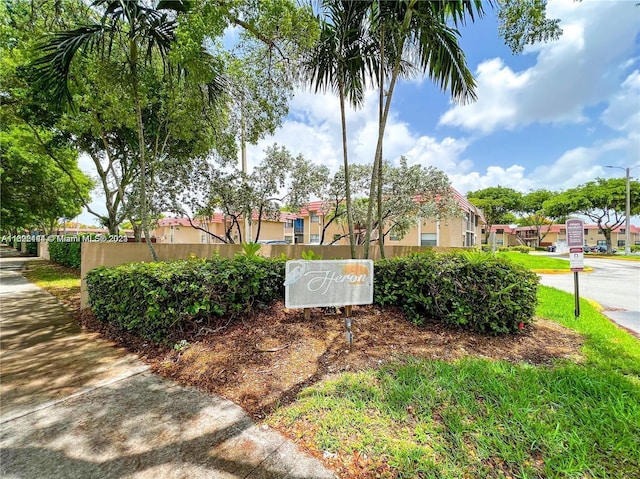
[(623, 112), (513, 177), (568, 74)]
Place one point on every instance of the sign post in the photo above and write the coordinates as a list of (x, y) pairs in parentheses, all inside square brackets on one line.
[(575, 242), (320, 283)]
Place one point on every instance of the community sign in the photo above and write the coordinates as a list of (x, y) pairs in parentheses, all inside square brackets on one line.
[(310, 284)]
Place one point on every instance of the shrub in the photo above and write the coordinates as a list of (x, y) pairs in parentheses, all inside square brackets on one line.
[(67, 254), (32, 248), (155, 300), (477, 291), (521, 249)]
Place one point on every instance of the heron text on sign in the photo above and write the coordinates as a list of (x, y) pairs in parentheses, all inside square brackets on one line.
[(310, 284)]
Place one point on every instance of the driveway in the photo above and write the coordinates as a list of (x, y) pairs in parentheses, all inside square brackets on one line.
[(615, 284), (74, 406)]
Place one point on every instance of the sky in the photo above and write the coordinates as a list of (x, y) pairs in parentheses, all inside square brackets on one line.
[(552, 117)]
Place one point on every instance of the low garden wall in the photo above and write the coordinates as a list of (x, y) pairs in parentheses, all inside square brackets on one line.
[(115, 254)]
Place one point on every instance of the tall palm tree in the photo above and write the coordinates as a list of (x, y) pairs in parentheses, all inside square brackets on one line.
[(143, 35), (340, 61), (423, 33)]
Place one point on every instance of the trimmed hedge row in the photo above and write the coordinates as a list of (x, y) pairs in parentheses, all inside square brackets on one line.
[(155, 300), (159, 300), (473, 291), (65, 253)]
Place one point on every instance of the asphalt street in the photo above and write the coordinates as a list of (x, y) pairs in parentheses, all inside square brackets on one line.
[(615, 284)]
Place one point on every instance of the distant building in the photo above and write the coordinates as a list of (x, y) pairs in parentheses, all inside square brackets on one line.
[(307, 225), (509, 235)]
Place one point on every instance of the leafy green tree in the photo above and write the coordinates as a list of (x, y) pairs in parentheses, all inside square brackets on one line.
[(532, 206), (426, 35), (409, 194), (498, 204), (334, 198), (141, 37), (339, 62), (524, 22), (280, 180), (35, 193), (602, 201)]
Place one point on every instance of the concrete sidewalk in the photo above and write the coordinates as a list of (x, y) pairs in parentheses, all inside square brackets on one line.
[(74, 406)]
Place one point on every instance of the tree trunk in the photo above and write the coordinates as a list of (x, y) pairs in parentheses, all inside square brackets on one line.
[(144, 215), (347, 180), (378, 157)]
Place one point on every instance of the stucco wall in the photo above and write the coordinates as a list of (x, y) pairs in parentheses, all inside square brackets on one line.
[(114, 254)]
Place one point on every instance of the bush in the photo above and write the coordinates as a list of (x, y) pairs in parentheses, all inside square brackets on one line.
[(477, 291), (66, 254), (155, 300), (32, 248), (521, 249)]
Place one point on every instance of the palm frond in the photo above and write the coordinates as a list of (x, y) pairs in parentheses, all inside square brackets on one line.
[(52, 68)]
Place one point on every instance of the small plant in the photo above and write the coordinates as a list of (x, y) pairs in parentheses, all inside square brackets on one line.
[(311, 255), (182, 345), (251, 249)]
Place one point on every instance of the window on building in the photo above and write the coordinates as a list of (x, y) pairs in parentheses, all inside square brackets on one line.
[(314, 239), (563, 231), (171, 235), (620, 243), (393, 237), (586, 232), (622, 231), (314, 218), (600, 232), (288, 224), (500, 231), (203, 238), (469, 239), (337, 237), (499, 242), (428, 239)]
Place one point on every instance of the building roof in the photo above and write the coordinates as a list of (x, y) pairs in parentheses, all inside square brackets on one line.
[(556, 228)]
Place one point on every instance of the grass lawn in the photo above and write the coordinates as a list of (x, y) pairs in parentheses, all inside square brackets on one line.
[(481, 418), (536, 262), (60, 281), (473, 417)]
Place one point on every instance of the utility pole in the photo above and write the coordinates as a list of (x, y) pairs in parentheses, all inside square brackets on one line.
[(627, 210)]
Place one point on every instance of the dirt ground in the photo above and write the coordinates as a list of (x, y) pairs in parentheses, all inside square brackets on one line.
[(263, 361)]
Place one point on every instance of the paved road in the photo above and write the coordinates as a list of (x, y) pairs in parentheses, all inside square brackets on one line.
[(615, 284), (75, 407)]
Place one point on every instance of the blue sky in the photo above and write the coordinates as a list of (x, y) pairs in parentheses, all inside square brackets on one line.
[(551, 117)]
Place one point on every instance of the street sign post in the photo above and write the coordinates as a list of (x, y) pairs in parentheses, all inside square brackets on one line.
[(575, 242)]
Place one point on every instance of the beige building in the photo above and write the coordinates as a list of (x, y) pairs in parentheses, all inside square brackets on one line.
[(311, 225), (464, 230), (507, 235)]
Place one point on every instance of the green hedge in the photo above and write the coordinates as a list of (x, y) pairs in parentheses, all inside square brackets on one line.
[(156, 300), (67, 254), (477, 291), (520, 248), (32, 248), (160, 300)]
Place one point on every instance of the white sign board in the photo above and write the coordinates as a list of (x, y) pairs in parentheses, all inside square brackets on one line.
[(576, 259), (342, 282)]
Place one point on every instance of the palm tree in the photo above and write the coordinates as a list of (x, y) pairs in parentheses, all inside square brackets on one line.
[(340, 62), (143, 35), (417, 32)]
